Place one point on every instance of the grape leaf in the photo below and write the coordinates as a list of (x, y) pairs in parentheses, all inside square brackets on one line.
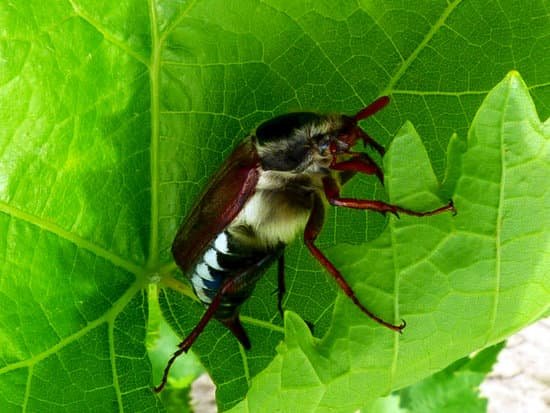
[(462, 282), (113, 117), (454, 389)]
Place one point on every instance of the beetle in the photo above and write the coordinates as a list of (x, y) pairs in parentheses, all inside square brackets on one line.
[(269, 189)]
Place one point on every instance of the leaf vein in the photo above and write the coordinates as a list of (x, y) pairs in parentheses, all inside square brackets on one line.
[(395, 352), (498, 223), (105, 33), (245, 364), (108, 315), (412, 57), (177, 20), (154, 74), (112, 353), (71, 237)]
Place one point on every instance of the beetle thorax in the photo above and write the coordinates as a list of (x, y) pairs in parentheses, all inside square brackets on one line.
[(278, 210)]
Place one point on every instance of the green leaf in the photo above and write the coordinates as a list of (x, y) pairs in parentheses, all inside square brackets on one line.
[(454, 389), (115, 114), (461, 282)]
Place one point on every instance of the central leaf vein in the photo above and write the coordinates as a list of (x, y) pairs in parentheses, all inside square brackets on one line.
[(498, 225), (155, 138)]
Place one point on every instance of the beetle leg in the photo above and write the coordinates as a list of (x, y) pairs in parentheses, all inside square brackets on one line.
[(281, 288), (360, 162), (234, 325), (313, 228), (332, 192), (186, 344)]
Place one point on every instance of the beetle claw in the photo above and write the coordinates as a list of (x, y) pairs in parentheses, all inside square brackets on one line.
[(395, 214), (452, 207)]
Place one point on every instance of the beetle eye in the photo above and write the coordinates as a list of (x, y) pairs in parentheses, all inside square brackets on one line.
[(323, 142)]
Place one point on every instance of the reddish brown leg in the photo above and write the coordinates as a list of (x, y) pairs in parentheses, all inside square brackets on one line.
[(313, 227), (360, 162), (232, 324), (332, 193), (186, 344)]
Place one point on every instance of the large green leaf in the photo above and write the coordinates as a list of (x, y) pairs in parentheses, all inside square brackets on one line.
[(462, 282), (114, 115)]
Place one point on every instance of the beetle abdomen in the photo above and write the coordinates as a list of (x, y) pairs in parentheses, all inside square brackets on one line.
[(226, 258)]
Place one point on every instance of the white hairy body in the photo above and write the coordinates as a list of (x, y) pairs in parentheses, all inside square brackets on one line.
[(279, 209)]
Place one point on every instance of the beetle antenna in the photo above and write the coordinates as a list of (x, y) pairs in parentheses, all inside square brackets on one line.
[(374, 107)]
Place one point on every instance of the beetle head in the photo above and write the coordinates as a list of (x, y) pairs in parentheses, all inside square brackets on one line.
[(349, 132), (294, 141), (285, 142)]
